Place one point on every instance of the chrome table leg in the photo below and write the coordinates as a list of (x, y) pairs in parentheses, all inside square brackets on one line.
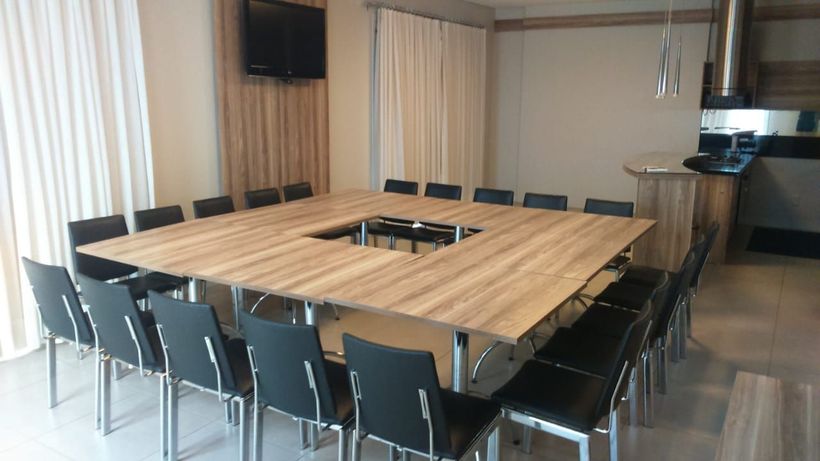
[(363, 234), (193, 290), (460, 366), (310, 313)]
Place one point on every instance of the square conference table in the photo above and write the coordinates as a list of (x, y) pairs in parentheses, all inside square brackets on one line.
[(519, 266)]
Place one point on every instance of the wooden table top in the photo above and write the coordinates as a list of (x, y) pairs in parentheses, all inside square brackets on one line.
[(772, 420), (501, 282)]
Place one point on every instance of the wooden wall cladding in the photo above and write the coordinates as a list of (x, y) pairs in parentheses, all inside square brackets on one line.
[(787, 85), (271, 133)]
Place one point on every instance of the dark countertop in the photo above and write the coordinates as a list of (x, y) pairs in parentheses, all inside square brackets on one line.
[(719, 164)]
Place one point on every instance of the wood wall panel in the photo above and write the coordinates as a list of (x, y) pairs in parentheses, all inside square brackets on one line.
[(271, 133), (790, 85)]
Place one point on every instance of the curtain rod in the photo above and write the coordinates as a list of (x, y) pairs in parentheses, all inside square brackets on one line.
[(400, 9)]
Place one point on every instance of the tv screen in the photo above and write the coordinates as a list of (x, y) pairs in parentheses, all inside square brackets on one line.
[(284, 40)]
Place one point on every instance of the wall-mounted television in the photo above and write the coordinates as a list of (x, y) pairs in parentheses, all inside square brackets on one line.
[(284, 40)]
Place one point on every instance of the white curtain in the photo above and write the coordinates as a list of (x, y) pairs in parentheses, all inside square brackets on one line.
[(74, 137), (429, 96)]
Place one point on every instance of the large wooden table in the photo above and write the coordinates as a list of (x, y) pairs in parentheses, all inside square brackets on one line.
[(501, 282)]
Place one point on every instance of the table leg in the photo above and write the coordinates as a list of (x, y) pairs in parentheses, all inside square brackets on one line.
[(459, 234), (238, 296), (461, 342), (310, 313), (363, 234), (193, 290)]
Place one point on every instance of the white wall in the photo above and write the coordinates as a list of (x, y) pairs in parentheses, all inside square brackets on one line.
[(572, 104), (350, 43), (178, 51)]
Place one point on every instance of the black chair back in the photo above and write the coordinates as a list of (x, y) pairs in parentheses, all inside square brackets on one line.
[(213, 206), (494, 196), (51, 284), (678, 286), (185, 326), (95, 230), (401, 187), (709, 239), (280, 351), (389, 381), (262, 197), (445, 191), (609, 207), (545, 201), (297, 191), (158, 217), (109, 306), (630, 347)]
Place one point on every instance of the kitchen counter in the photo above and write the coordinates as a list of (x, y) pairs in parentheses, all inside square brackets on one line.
[(677, 163), (719, 164)]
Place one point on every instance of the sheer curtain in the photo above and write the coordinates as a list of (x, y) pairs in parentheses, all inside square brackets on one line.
[(429, 96), (74, 137)]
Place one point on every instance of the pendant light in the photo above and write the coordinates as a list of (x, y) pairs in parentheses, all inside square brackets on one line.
[(663, 65)]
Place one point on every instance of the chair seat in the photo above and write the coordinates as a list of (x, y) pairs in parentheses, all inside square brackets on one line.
[(581, 349), (423, 234), (605, 320), (625, 295), (643, 275), (554, 394), (238, 358), (618, 263), (340, 386), (140, 286), (467, 416), (338, 233)]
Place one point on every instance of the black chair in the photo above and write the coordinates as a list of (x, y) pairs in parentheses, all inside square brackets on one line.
[(401, 187), (291, 375), (126, 334), (197, 354), (398, 401), (545, 201), (594, 351), (694, 285), (297, 191), (493, 196), (262, 197), (158, 217), (215, 206), (61, 314), (612, 208), (445, 191), (571, 404), (97, 229)]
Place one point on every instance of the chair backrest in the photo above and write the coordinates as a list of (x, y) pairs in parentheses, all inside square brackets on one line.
[(401, 187), (677, 289), (629, 349), (609, 207), (95, 230), (545, 201), (389, 381), (185, 326), (109, 306), (494, 196), (446, 191), (659, 299), (213, 206), (262, 197), (280, 351), (297, 191), (51, 284), (709, 237), (158, 217)]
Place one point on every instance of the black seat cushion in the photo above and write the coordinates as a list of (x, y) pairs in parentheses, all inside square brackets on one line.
[(581, 349), (168, 278), (618, 263), (139, 286), (554, 394), (338, 233), (237, 354), (625, 295), (340, 386), (467, 416), (605, 320), (643, 275)]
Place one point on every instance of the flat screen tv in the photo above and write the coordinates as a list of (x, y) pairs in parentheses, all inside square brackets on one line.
[(284, 40)]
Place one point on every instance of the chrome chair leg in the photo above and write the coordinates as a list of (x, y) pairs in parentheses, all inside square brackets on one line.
[(256, 435), (244, 444), (648, 388), (494, 445), (583, 449), (663, 363), (105, 395), (344, 439), (313, 433), (356, 451), (228, 412), (392, 453), (633, 397), (613, 436), (163, 417), (682, 330), (406, 455), (51, 370), (173, 419), (97, 390), (117, 370), (526, 440), (303, 434)]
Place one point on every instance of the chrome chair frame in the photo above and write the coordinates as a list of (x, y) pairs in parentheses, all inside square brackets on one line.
[(491, 433)]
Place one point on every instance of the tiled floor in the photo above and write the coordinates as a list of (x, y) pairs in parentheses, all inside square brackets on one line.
[(759, 313)]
